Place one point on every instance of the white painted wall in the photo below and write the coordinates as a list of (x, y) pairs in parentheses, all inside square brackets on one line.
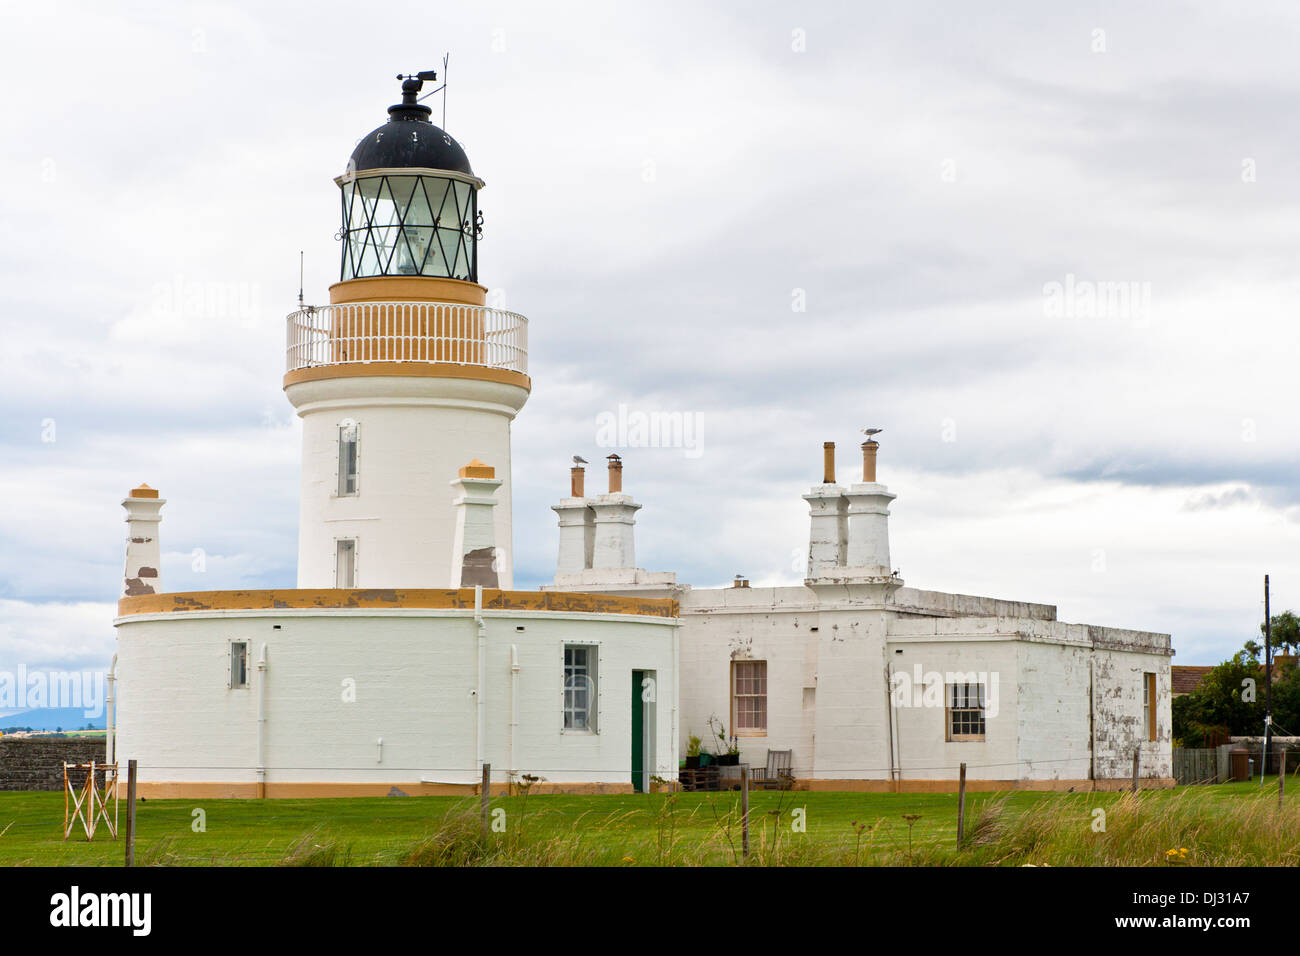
[(827, 688), (415, 674), (415, 432), (722, 624)]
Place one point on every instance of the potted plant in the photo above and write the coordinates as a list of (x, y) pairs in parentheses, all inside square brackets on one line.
[(693, 752), (728, 752)]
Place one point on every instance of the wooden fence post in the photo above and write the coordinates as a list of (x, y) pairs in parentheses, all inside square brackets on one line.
[(485, 792), (1281, 780), (130, 813), (1137, 755), (744, 811), (961, 807)]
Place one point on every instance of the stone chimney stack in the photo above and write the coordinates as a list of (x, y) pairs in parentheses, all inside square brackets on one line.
[(143, 552), (615, 517), (827, 512), (577, 526), (597, 551), (475, 559), (868, 517)]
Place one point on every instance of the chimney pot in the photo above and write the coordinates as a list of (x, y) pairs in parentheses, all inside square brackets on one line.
[(577, 482), (869, 449), (615, 474), (828, 462)]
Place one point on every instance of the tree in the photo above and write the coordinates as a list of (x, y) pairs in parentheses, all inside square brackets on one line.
[(1253, 648), (1229, 699), (1286, 630)]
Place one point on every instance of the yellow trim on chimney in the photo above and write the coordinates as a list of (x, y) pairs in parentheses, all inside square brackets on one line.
[(476, 469)]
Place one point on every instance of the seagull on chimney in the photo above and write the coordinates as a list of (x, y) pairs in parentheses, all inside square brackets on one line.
[(871, 433), (579, 460)]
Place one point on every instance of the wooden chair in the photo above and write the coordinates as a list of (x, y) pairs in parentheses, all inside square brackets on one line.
[(777, 775)]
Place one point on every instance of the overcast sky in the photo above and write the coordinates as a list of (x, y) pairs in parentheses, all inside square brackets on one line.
[(786, 221)]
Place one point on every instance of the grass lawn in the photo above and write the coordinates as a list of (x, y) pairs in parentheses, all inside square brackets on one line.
[(684, 829)]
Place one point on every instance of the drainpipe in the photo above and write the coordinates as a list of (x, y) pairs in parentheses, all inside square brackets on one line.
[(677, 643), (889, 710), (110, 718), (480, 710), (261, 723), (514, 708), (1092, 722)]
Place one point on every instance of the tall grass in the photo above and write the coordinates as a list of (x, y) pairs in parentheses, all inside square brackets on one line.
[(1193, 826), (1190, 828), (1139, 830)]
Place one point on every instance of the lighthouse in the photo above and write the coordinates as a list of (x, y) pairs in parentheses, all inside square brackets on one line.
[(404, 661), (406, 376)]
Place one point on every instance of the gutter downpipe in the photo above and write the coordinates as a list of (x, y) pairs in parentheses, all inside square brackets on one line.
[(514, 709), (110, 721), (261, 723), (677, 643), (1092, 720), (480, 710), (889, 715)]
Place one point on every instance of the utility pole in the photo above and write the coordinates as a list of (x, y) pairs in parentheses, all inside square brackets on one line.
[(1268, 682)]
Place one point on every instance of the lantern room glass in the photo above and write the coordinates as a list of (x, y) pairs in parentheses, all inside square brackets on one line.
[(410, 225)]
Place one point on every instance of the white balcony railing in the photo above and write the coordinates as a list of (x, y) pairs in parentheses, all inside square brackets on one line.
[(407, 332)]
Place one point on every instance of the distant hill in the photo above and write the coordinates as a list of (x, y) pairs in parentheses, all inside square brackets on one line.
[(51, 718)]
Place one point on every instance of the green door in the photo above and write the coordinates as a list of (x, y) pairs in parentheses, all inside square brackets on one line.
[(638, 733)]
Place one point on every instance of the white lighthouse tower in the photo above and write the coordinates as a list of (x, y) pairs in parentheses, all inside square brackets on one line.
[(406, 377), (404, 660)]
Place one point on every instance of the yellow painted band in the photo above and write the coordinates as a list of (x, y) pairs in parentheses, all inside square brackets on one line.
[(408, 289), (482, 373), (179, 602)]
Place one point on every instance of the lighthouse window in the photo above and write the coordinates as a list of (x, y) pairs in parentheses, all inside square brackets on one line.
[(409, 225), (348, 459), (238, 664), (580, 691), (345, 564)]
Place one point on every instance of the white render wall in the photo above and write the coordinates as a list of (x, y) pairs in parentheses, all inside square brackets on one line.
[(922, 750), (415, 433), (827, 687), (717, 628), (415, 674)]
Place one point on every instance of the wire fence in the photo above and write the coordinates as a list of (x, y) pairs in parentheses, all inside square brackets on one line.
[(660, 827)]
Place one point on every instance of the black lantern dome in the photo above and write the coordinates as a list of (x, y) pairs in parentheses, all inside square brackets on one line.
[(410, 199), (409, 139)]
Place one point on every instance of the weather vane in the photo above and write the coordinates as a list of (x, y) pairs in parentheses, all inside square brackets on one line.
[(429, 76)]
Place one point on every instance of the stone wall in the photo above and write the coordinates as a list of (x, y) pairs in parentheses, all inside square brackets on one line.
[(36, 763)]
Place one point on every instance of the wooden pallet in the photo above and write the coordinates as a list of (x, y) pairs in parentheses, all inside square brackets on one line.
[(702, 779)]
